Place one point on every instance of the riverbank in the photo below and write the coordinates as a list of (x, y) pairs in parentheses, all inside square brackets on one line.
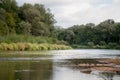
[(31, 46), (31, 43), (109, 46)]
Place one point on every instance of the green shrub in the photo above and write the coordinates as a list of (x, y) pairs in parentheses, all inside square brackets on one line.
[(102, 43), (112, 45), (90, 44)]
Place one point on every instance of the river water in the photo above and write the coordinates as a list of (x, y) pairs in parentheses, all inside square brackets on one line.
[(82, 64)]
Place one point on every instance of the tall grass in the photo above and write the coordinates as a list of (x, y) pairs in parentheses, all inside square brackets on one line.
[(29, 39), (31, 46), (30, 43)]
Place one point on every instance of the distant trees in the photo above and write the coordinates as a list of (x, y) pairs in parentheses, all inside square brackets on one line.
[(66, 35), (107, 32)]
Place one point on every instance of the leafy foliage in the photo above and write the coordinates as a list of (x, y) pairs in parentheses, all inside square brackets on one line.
[(29, 19), (106, 34)]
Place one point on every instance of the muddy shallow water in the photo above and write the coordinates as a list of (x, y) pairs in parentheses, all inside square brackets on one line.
[(83, 64)]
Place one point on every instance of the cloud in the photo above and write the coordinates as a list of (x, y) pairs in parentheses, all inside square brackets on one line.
[(71, 12)]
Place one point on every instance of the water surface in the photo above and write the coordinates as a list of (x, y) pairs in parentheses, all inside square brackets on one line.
[(83, 64)]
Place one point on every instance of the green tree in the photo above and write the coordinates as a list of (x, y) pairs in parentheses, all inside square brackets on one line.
[(106, 29), (9, 8), (9, 5), (3, 29), (39, 17), (66, 35), (10, 22), (25, 28)]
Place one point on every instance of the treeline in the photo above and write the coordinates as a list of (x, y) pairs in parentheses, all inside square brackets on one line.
[(104, 35), (28, 19), (27, 27)]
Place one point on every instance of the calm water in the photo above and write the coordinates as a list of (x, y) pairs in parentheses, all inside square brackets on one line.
[(84, 64)]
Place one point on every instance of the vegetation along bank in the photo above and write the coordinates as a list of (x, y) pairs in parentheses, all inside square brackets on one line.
[(35, 24)]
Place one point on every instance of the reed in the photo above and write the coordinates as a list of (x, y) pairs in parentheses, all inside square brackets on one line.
[(31, 46)]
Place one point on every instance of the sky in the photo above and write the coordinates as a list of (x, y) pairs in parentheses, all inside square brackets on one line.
[(76, 12)]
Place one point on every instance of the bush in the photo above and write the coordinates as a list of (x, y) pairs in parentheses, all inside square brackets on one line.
[(112, 45), (90, 44), (102, 43)]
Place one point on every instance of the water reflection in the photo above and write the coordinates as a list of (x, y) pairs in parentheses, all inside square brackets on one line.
[(26, 70), (66, 73), (107, 75), (104, 69)]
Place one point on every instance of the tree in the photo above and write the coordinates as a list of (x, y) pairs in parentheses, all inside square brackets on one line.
[(117, 33), (3, 29), (40, 29), (25, 28), (101, 34), (2, 14), (8, 10), (30, 13), (106, 29), (9, 5), (40, 19), (66, 35), (46, 17), (10, 20), (90, 25)]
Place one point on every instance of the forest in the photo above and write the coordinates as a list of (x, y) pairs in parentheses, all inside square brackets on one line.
[(35, 24), (104, 35)]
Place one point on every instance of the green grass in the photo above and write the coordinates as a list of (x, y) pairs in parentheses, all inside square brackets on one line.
[(29, 39), (30, 43)]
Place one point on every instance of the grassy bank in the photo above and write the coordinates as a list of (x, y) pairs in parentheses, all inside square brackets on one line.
[(108, 46), (31, 46), (29, 39), (30, 43)]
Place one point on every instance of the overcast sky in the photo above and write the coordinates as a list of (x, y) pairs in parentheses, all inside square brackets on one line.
[(71, 12)]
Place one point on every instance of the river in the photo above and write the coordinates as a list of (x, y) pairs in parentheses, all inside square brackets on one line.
[(81, 64)]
